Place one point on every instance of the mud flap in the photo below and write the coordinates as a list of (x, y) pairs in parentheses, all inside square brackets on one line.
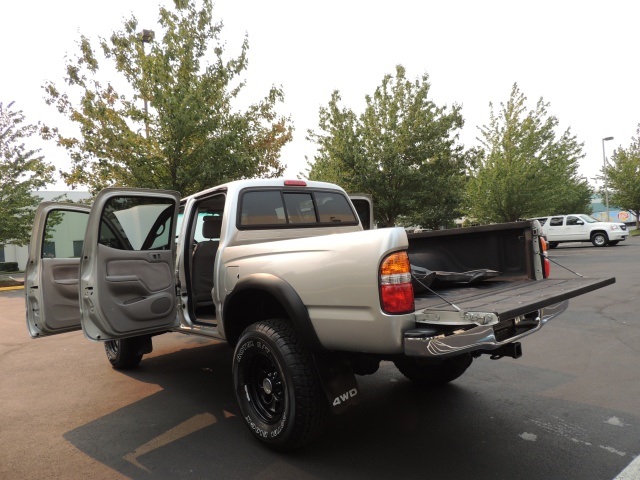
[(338, 381), (143, 344)]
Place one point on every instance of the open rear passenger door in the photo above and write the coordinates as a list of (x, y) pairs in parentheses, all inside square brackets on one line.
[(127, 282), (51, 275)]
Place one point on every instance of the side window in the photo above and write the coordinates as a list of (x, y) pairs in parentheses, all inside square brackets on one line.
[(556, 222), (136, 223), (208, 219), (334, 208), (571, 220), (542, 221), (64, 234)]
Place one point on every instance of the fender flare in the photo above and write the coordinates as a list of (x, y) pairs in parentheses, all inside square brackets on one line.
[(284, 293)]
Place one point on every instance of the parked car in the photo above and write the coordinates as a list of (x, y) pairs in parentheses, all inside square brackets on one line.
[(581, 228)]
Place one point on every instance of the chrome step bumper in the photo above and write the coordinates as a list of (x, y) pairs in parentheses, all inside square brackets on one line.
[(431, 342)]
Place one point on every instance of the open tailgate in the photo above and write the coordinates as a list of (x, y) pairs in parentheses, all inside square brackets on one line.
[(507, 300)]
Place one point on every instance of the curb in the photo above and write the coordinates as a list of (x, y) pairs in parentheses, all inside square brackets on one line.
[(4, 289)]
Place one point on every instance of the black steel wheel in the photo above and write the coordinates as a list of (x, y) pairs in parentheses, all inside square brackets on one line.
[(429, 374), (277, 387)]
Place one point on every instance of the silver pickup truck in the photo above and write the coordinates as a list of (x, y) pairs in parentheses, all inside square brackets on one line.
[(287, 275)]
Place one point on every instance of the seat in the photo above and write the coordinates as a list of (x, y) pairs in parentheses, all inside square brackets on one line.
[(204, 257)]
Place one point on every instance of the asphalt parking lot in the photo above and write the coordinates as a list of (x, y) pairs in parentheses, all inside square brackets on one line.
[(568, 409)]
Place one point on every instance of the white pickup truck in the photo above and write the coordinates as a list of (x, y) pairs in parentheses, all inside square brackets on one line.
[(284, 272), (579, 227)]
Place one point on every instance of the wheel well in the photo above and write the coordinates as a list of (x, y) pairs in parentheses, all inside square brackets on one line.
[(247, 307), (598, 231)]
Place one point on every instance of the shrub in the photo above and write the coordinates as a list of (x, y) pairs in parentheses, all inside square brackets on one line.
[(8, 266)]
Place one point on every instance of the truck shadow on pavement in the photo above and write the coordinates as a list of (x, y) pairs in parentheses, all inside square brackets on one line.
[(470, 429)]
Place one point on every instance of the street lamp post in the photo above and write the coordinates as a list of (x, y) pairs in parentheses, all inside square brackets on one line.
[(147, 37), (604, 163)]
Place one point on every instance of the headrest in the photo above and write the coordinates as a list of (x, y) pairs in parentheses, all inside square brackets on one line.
[(211, 227)]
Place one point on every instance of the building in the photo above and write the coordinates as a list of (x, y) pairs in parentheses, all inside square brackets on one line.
[(615, 214)]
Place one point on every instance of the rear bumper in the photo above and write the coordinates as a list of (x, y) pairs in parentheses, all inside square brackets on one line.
[(428, 342)]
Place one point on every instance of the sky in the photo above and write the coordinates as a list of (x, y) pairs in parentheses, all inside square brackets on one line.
[(581, 57)]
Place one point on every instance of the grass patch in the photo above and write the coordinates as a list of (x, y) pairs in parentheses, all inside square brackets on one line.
[(634, 233)]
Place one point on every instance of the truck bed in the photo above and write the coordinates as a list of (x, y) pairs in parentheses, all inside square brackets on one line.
[(507, 250)]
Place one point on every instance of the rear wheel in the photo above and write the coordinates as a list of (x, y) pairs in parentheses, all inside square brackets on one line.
[(125, 353), (417, 370), (277, 387), (599, 239)]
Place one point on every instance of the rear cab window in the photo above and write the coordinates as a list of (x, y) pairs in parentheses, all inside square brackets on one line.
[(278, 208)]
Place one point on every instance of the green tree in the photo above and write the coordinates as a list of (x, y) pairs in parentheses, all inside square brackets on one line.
[(167, 120), (21, 172), (403, 150), (527, 170), (624, 177)]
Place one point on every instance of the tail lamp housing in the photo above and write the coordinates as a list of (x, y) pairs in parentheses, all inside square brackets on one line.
[(546, 264), (396, 291)]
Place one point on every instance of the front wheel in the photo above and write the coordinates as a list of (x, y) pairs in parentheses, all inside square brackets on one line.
[(277, 387), (599, 239), (416, 370)]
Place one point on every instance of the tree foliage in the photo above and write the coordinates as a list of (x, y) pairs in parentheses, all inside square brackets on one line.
[(623, 177), (527, 169), (21, 172), (190, 137), (403, 150)]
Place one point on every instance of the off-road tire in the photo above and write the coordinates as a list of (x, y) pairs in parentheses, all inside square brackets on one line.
[(433, 374), (599, 239), (277, 386), (123, 354)]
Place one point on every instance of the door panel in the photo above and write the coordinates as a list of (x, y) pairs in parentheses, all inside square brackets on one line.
[(127, 271), (51, 277), (60, 289)]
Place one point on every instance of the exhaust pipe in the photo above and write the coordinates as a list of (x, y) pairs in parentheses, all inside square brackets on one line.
[(513, 350)]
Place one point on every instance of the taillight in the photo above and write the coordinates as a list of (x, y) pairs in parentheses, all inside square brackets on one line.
[(546, 264), (396, 291), (546, 267)]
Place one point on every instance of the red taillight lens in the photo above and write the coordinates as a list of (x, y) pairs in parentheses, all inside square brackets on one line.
[(546, 264), (396, 291)]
